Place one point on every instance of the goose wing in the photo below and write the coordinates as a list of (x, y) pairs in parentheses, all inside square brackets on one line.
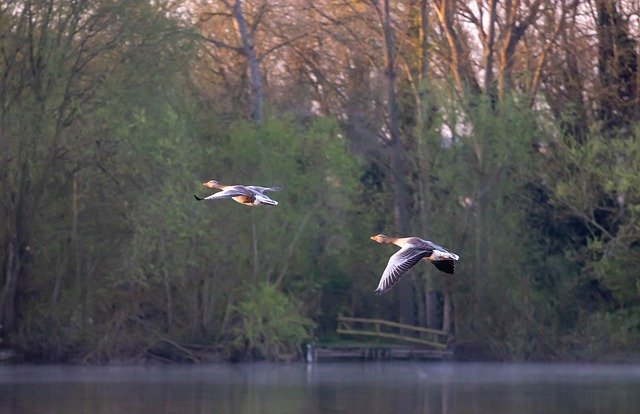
[(446, 266), (229, 192), (399, 263), (427, 245), (263, 199), (262, 190), (439, 254)]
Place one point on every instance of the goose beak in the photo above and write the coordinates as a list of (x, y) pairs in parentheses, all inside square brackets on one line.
[(378, 238)]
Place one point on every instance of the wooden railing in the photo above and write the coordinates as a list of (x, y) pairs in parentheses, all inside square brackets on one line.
[(386, 329)]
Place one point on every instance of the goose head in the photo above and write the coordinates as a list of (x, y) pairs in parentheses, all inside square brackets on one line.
[(212, 184), (380, 238)]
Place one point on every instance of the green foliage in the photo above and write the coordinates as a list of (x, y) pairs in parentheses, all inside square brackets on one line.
[(301, 243), (595, 184), (106, 141), (73, 131), (269, 323), (611, 336), (189, 264), (478, 205)]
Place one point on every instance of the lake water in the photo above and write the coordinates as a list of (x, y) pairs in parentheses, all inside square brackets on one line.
[(384, 387)]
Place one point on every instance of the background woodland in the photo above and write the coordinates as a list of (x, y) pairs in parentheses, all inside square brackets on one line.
[(505, 131)]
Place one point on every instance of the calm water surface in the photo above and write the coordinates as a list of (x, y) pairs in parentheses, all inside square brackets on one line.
[(387, 387)]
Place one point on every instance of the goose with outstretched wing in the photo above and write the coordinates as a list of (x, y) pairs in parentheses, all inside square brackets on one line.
[(249, 195), (412, 250)]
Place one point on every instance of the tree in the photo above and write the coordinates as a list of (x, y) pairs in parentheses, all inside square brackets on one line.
[(48, 75), (617, 68), (58, 63), (254, 26)]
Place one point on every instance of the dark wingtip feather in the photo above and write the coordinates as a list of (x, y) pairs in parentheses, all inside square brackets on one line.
[(445, 266), (378, 292), (198, 198)]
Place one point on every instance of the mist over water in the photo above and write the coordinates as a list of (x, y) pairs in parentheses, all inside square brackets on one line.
[(387, 387)]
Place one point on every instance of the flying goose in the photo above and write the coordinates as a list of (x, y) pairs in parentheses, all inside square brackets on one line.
[(412, 250), (249, 195)]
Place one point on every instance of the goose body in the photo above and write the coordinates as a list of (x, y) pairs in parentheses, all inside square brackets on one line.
[(412, 250), (249, 195)]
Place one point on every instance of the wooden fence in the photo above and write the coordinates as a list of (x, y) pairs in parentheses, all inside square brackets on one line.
[(381, 328)]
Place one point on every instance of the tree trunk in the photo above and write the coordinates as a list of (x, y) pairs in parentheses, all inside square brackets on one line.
[(463, 76), (423, 125), (166, 280), (253, 63), (8, 309), (617, 68), (511, 35), (256, 259), (17, 256), (489, 49), (400, 191), (9, 271), (447, 311)]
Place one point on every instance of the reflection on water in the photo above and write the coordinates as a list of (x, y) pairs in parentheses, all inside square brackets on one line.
[(386, 387)]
